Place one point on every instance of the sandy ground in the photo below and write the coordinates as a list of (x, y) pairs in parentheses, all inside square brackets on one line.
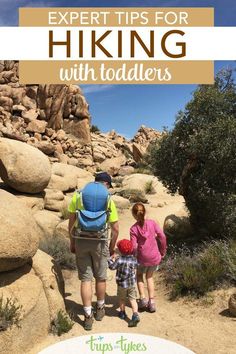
[(204, 326)]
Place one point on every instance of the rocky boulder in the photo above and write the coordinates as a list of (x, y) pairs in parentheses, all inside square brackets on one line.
[(126, 170), (178, 225), (232, 304), (120, 202), (47, 222), (133, 195), (34, 202), (38, 288), (54, 199), (61, 230), (67, 177), (145, 135), (23, 167), (142, 182), (142, 140), (19, 233), (112, 166)]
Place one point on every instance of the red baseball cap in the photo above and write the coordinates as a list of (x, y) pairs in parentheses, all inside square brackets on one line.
[(125, 247)]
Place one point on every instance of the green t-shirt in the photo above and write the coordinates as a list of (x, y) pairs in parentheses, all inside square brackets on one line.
[(113, 216)]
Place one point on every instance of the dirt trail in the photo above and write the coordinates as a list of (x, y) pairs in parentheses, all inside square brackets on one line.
[(203, 328)]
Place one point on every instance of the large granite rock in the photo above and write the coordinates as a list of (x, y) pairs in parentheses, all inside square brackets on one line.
[(232, 304), (38, 288), (142, 182), (23, 167), (67, 177), (47, 222), (113, 165), (54, 199), (120, 202), (19, 233)]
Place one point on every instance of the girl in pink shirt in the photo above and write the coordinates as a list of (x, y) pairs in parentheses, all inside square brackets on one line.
[(149, 241)]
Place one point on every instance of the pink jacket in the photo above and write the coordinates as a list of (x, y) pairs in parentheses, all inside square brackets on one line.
[(144, 241)]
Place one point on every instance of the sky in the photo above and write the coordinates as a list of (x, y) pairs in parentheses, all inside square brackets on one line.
[(126, 107)]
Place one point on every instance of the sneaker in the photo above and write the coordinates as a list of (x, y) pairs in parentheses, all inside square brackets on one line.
[(143, 304), (122, 315), (88, 322), (134, 321), (151, 306), (100, 313)]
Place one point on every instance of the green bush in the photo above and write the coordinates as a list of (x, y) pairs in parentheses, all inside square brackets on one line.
[(94, 129), (149, 188), (59, 249), (118, 181), (196, 274), (198, 158), (143, 170), (61, 324), (65, 214), (10, 313)]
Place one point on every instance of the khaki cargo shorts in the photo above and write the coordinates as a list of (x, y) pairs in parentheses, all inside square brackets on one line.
[(124, 293), (91, 259)]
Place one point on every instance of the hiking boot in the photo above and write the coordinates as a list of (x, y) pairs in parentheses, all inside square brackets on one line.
[(122, 315), (100, 313), (151, 306), (88, 322), (134, 321), (143, 304)]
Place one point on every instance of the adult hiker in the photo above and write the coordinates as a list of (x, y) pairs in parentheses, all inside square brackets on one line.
[(91, 212)]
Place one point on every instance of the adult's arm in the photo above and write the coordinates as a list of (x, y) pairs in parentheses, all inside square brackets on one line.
[(114, 236), (71, 226)]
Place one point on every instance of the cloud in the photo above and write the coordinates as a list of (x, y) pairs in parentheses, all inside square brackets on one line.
[(95, 88)]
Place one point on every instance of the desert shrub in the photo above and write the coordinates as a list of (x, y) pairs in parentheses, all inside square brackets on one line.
[(118, 181), (94, 129), (197, 273), (10, 313), (59, 249), (98, 169), (65, 214), (143, 170), (126, 154), (149, 188), (61, 324), (198, 158)]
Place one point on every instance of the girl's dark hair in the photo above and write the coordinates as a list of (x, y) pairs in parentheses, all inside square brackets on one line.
[(139, 211)]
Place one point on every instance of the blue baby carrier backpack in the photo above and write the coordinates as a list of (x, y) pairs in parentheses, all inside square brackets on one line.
[(93, 216)]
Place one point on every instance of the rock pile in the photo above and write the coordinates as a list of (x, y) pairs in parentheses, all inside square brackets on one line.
[(55, 119), (28, 277), (41, 115), (141, 141)]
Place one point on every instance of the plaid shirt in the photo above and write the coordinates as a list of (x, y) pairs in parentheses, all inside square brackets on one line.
[(125, 270)]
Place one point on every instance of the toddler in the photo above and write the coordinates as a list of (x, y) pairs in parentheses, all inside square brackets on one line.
[(125, 266)]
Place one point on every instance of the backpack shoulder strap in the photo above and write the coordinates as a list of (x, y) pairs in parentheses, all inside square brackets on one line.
[(108, 202), (108, 208)]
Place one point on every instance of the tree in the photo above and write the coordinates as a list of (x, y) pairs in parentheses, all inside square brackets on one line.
[(94, 129), (198, 157)]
